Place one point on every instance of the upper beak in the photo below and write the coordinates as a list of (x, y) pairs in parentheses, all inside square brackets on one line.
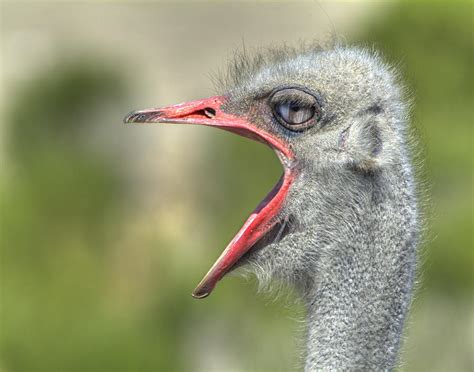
[(209, 112)]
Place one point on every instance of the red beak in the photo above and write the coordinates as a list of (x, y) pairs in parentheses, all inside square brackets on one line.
[(265, 216)]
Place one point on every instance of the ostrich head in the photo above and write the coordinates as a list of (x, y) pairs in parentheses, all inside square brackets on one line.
[(338, 223)]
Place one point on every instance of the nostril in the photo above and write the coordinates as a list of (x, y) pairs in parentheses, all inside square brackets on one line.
[(209, 112)]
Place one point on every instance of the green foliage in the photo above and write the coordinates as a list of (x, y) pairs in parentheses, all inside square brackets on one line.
[(56, 203)]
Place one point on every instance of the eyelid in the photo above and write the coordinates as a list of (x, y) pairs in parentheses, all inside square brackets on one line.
[(293, 100), (306, 100), (298, 88)]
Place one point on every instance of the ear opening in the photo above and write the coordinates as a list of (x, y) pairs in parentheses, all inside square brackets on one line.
[(366, 144)]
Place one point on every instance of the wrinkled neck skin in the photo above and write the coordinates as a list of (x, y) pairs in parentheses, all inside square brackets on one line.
[(358, 265)]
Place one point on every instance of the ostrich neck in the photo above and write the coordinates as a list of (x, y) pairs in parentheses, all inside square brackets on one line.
[(362, 289)]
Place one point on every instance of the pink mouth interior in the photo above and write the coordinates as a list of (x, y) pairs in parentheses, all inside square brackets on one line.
[(261, 221)]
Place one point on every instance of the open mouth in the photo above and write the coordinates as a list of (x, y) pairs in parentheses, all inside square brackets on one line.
[(264, 218)]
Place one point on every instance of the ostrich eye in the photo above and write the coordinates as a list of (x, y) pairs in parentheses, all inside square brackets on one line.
[(295, 109), (293, 113)]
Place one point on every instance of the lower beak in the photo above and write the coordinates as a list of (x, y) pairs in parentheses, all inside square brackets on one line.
[(209, 112)]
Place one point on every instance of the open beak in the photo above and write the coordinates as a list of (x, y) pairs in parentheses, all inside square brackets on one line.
[(209, 112)]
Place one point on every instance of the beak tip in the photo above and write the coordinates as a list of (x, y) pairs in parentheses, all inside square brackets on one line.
[(142, 117), (199, 296), (129, 118), (200, 293)]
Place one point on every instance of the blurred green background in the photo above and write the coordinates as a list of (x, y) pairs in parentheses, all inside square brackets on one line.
[(105, 229)]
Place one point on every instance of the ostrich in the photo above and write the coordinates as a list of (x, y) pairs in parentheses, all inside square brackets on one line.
[(341, 225)]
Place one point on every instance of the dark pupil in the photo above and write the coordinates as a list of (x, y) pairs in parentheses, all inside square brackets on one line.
[(294, 107)]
